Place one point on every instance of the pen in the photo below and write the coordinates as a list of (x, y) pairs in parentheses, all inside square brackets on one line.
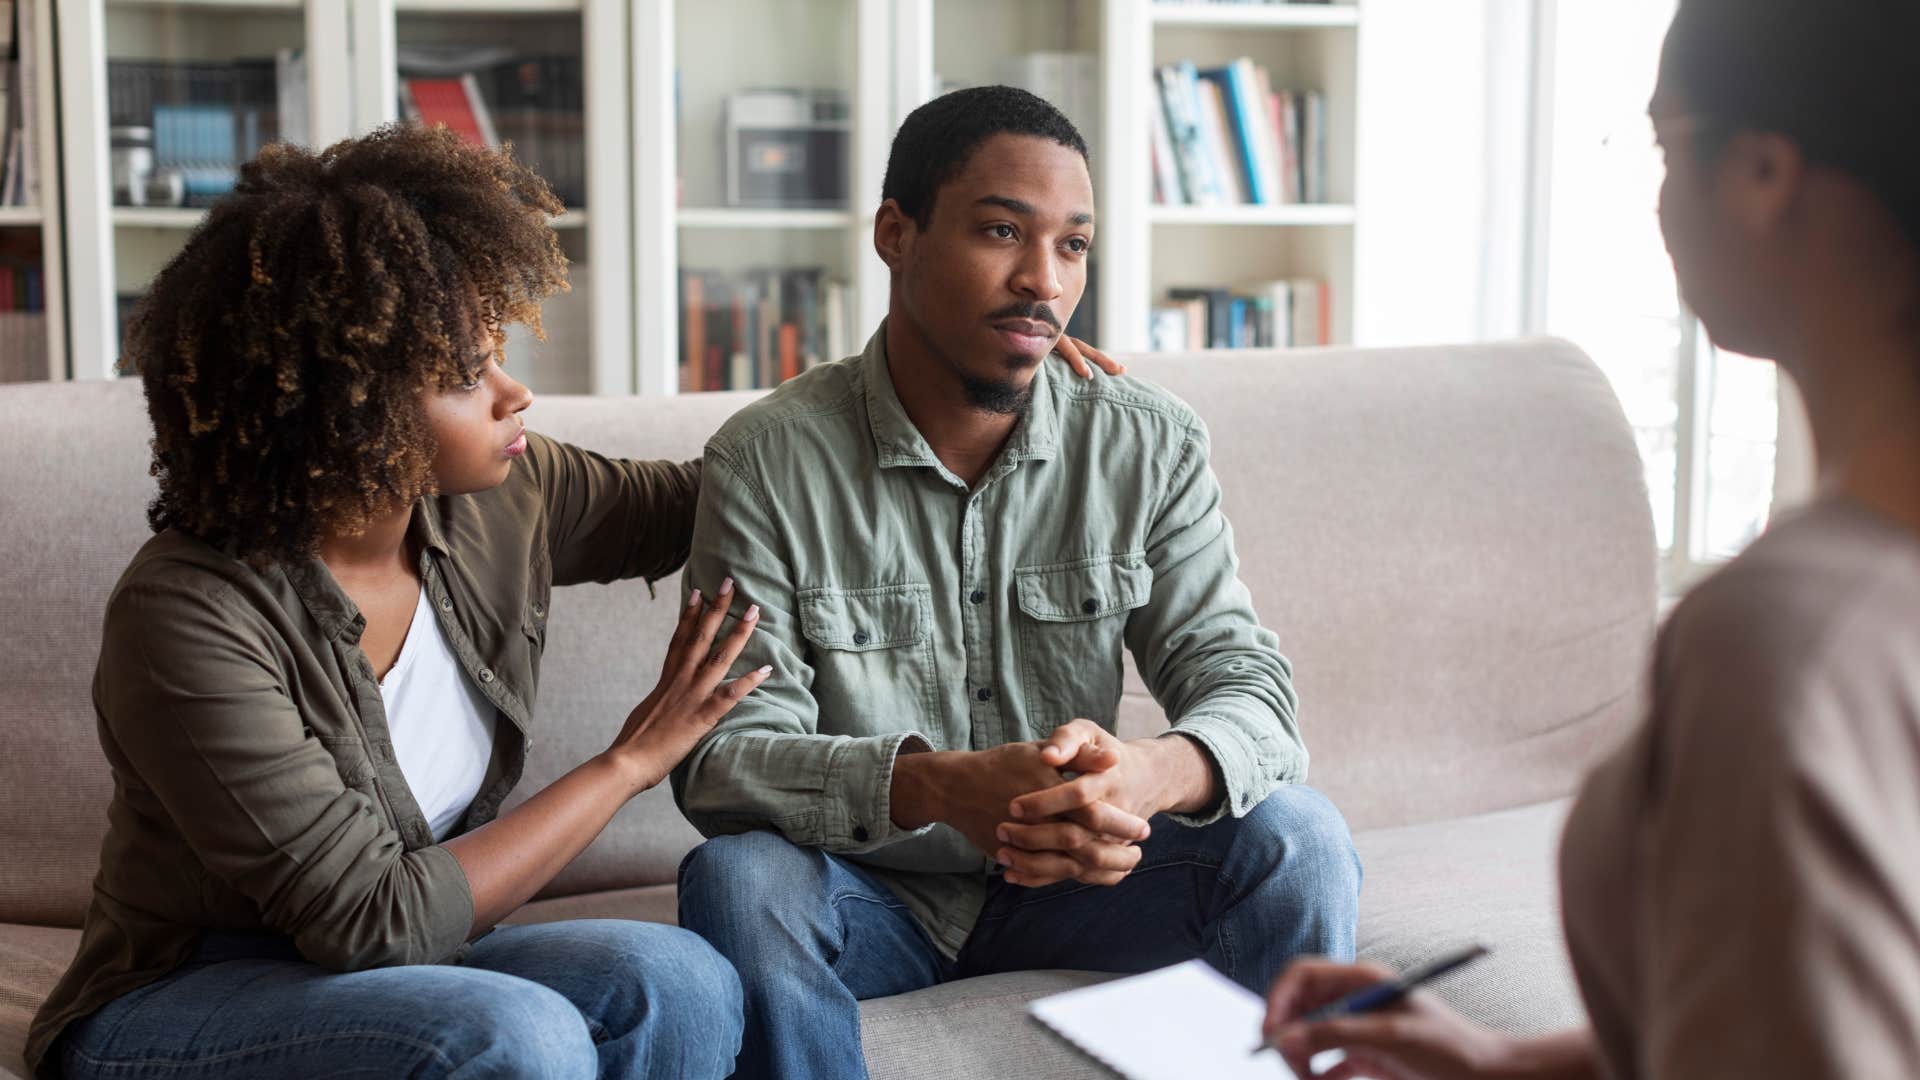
[(1387, 991)]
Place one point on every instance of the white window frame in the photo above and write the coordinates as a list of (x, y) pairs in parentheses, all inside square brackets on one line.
[(1688, 560)]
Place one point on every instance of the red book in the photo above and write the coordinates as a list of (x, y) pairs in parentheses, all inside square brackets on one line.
[(789, 350), (692, 377), (449, 102)]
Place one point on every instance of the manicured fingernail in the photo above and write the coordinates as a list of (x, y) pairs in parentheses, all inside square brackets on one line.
[(1002, 834), (1004, 856), (753, 612), (726, 587), (765, 671), (693, 599)]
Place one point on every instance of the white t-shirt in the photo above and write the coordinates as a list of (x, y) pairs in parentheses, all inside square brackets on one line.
[(441, 725)]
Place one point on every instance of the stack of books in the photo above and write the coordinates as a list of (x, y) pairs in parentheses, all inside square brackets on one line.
[(1275, 314), (1226, 136), (494, 96), (743, 330), (19, 97)]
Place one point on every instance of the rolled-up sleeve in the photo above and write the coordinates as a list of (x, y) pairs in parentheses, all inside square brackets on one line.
[(1201, 650), (613, 519), (197, 713), (768, 765)]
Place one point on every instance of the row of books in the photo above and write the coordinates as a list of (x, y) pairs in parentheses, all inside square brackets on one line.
[(742, 330), (22, 286), (490, 96), (1294, 313), (203, 118), (1226, 136), (19, 98)]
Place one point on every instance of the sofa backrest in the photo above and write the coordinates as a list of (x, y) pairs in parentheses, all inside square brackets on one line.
[(1453, 544)]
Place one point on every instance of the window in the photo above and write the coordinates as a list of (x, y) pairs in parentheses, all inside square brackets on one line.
[(1706, 422)]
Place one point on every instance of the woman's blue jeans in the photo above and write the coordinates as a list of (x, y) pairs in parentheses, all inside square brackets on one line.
[(585, 998)]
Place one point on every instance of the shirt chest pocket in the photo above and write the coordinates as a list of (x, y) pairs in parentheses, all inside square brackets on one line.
[(1072, 626), (872, 655)]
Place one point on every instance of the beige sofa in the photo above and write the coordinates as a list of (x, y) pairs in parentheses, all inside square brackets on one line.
[(1452, 543)]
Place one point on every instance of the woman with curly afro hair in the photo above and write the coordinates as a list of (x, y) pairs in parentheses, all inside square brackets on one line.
[(316, 680)]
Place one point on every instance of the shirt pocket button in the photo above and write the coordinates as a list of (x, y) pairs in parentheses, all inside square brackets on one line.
[(486, 675), (860, 637), (1090, 606)]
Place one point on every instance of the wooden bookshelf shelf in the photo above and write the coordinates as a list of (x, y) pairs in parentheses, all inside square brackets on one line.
[(21, 215), (1295, 214), (1257, 16), (727, 217)]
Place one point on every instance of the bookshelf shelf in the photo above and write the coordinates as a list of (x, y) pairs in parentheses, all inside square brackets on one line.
[(21, 215), (176, 217), (740, 218), (222, 5), (485, 7), (156, 217), (1294, 215), (1256, 16)]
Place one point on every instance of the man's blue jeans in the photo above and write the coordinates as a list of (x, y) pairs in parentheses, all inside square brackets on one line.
[(813, 934), (590, 997)]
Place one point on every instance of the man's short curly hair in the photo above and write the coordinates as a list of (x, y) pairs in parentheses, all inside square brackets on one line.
[(288, 348), (936, 140)]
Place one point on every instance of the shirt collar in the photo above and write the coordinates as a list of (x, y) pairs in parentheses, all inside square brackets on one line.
[(329, 604), (898, 442)]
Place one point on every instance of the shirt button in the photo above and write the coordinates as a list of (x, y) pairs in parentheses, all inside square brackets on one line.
[(1090, 606), (860, 637), (984, 694), (446, 603), (859, 834), (486, 674), (978, 597), (538, 611)]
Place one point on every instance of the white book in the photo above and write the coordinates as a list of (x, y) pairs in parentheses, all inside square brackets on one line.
[(1177, 1023), (1217, 137), (1166, 171)]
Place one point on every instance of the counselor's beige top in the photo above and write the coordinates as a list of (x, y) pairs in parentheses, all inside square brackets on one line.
[(1741, 880)]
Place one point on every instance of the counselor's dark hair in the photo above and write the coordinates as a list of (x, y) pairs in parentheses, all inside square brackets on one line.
[(1841, 78), (287, 350), (938, 138)]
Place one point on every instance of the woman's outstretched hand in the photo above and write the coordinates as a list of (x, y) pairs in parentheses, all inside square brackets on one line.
[(690, 698)]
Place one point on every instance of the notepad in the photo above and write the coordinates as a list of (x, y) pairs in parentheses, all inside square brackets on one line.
[(1177, 1023)]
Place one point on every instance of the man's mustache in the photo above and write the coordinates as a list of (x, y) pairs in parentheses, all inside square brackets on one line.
[(1036, 312)]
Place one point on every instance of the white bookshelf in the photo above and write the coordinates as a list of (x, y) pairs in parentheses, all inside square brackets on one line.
[(654, 200)]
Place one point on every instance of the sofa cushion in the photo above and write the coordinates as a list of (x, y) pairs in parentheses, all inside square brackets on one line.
[(1428, 887), (1491, 879)]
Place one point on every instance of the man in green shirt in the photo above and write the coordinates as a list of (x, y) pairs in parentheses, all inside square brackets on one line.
[(949, 549)]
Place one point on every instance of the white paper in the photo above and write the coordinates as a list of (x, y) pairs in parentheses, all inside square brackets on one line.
[(1177, 1023)]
